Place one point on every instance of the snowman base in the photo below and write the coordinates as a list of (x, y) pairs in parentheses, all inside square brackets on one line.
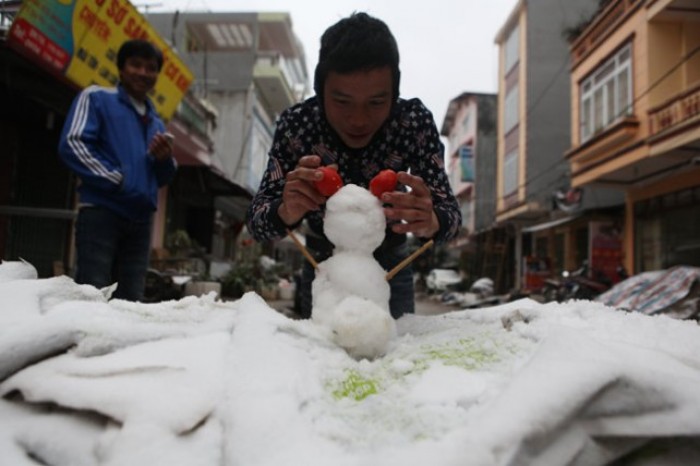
[(363, 329)]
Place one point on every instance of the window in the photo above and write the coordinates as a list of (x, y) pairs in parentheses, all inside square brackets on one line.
[(510, 173), (663, 236), (512, 50), (606, 95), (511, 117), (466, 161)]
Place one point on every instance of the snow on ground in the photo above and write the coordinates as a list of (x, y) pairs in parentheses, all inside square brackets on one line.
[(86, 381)]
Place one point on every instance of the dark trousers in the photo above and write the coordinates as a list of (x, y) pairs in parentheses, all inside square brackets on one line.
[(111, 248), (402, 299)]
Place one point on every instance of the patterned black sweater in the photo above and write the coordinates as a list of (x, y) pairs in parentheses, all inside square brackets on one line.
[(408, 141)]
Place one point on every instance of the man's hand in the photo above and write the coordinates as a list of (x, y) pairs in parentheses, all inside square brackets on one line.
[(161, 146), (413, 210), (300, 195)]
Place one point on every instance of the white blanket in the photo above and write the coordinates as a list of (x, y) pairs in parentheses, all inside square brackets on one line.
[(85, 381)]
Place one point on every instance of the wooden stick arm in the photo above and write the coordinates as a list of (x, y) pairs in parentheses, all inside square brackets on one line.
[(389, 274), (408, 260), (303, 249)]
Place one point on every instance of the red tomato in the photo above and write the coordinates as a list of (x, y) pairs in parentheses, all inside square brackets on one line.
[(385, 181), (330, 183)]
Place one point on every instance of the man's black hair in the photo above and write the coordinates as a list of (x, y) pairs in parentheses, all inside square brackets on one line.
[(138, 48), (359, 42)]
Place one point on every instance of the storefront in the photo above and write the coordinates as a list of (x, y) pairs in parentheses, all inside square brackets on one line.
[(667, 230), (36, 195), (567, 243)]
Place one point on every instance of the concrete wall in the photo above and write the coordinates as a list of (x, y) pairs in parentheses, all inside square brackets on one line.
[(232, 137), (547, 89), (214, 71)]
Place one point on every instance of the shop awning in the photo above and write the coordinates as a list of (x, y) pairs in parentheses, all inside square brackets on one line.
[(189, 148), (550, 224)]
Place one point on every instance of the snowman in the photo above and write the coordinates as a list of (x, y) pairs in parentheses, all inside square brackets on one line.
[(350, 295)]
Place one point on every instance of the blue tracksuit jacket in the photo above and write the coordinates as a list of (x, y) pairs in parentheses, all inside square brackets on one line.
[(105, 142)]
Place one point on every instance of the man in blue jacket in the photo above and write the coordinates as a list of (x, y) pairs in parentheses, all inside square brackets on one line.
[(116, 144)]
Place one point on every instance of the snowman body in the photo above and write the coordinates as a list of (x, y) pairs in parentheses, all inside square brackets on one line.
[(350, 295)]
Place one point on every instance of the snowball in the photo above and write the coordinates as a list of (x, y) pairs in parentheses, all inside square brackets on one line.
[(362, 328)]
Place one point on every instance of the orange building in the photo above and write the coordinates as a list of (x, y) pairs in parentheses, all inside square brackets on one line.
[(635, 123)]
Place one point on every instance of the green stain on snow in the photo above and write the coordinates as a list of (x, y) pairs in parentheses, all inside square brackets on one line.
[(355, 386), (466, 353)]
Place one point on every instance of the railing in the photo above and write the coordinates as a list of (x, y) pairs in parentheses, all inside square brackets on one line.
[(287, 66), (274, 60), (675, 111), (40, 212), (605, 22)]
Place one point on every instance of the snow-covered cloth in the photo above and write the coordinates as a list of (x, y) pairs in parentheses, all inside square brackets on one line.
[(85, 381), (652, 292)]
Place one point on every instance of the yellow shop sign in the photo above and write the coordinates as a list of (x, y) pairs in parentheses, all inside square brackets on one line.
[(79, 39)]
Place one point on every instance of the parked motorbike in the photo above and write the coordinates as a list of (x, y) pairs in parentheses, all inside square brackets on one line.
[(579, 284)]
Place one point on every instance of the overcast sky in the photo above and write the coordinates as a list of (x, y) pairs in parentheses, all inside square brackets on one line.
[(446, 46)]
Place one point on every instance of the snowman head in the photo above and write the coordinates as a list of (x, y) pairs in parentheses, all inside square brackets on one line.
[(354, 220)]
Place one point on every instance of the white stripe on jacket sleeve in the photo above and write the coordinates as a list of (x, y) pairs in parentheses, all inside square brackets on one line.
[(78, 146)]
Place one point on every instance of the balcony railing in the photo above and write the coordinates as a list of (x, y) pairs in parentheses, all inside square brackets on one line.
[(277, 60), (604, 23), (675, 111)]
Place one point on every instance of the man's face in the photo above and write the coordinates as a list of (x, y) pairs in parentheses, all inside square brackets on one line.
[(358, 103), (138, 76)]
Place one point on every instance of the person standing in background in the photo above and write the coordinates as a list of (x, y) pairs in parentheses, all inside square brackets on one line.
[(116, 144), (358, 123)]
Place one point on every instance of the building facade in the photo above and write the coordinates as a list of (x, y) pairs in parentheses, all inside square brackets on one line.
[(635, 123), (553, 223), (249, 67), (470, 128)]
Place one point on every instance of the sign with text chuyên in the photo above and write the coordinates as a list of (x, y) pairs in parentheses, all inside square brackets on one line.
[(79, 39)]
